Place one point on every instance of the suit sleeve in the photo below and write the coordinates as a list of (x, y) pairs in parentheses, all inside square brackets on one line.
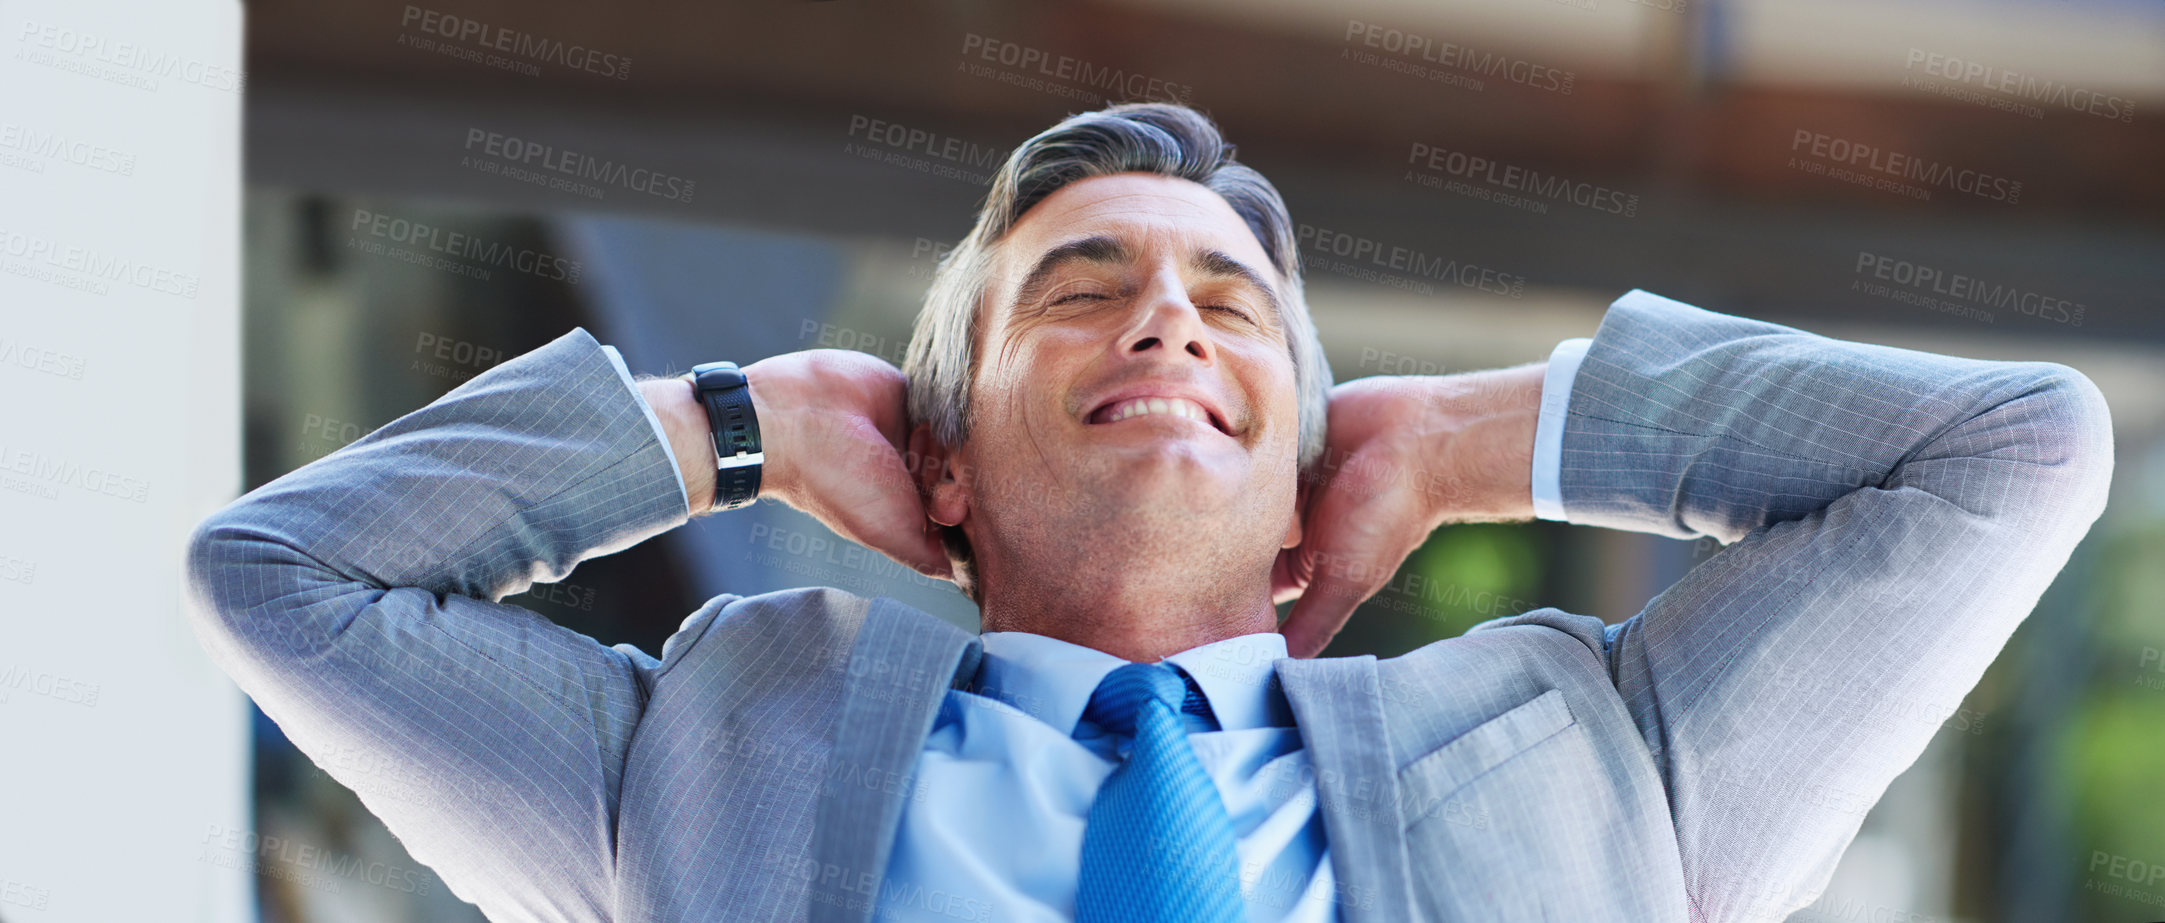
[(356, 600), (1890, 516)]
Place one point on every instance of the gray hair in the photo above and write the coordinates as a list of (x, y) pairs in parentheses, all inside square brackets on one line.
[(1161, 138)]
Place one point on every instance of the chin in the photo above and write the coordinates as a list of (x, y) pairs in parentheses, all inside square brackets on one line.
[(1169, 487)]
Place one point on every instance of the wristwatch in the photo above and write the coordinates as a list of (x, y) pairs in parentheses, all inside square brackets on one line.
[(727, 396)]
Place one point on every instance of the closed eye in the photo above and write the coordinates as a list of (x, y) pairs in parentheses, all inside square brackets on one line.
[(1229, 309)]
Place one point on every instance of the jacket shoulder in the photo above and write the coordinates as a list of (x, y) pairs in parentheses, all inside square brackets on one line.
[(1544, 633), (795, 630)]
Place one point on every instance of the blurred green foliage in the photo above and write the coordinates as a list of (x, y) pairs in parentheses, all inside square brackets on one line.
[(1462, 576), (2111, 755)]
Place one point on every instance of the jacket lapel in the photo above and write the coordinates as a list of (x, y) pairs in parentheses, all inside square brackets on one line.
[(900, 669), (1338, 705)]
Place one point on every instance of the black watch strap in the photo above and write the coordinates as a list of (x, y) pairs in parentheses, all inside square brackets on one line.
[(727, 396)]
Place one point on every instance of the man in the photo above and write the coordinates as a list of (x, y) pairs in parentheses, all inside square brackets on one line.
[(1110, 434)]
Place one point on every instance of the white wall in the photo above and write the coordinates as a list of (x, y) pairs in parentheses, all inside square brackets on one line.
[(121, 747)]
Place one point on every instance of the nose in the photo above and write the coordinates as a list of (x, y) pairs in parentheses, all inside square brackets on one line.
[(1167, 319)]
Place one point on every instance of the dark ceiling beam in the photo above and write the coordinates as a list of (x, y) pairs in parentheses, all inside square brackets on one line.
[(757, 106)]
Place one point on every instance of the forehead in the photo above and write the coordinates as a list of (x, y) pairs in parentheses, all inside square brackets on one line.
[(1147, 211)]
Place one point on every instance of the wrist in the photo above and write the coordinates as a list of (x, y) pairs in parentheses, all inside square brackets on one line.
[(770, 404), (1480, 444), (676, 405), (733, 423)]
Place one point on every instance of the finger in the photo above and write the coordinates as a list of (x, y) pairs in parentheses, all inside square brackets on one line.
[(1356, 549), (894, 524), (1340, 579), (916, 550), (941, 567), (1323, 609), (872, 500)]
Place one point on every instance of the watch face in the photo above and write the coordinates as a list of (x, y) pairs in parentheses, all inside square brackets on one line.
[(717, 376)]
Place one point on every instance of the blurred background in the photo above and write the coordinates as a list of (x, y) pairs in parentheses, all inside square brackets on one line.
[(433, 188)]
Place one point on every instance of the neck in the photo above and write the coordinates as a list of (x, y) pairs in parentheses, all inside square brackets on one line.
[(1141, 618)]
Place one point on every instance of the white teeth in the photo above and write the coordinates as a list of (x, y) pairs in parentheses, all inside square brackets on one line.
[(1179, 407)]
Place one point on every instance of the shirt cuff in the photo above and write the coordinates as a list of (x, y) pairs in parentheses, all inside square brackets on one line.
[(660, 435), (1548, 473)]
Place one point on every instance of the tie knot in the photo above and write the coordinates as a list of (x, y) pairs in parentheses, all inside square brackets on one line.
[(1120, 696)]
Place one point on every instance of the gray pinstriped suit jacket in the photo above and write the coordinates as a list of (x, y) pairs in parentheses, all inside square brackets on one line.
[(1890, 517)]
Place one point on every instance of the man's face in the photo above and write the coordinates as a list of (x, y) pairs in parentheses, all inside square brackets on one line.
[(1133, 385)]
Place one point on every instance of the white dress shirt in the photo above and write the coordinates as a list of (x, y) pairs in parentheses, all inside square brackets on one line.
[(1548, 470), (992, 828)]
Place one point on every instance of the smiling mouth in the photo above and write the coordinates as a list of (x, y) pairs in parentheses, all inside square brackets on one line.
[(1181, 407)]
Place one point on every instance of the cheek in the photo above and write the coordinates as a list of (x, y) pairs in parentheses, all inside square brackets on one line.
[(1028, 382), (1277, 393), (1000, 378), (1010, 405)]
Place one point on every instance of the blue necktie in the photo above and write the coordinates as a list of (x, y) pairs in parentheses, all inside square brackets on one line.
[(1158, 844)]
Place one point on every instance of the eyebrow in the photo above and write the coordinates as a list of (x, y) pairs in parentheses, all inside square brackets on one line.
[(1099, 249), (1105, 249), (1220, 263)]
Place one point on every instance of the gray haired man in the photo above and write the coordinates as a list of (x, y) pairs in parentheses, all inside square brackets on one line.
[(1109, 432)]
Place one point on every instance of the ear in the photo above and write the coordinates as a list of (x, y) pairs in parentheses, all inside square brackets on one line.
[(1300, 512), (946, 502)]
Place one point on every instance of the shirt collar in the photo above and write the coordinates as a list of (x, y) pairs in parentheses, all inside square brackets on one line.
[(1239, 676), (1051, 680)]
